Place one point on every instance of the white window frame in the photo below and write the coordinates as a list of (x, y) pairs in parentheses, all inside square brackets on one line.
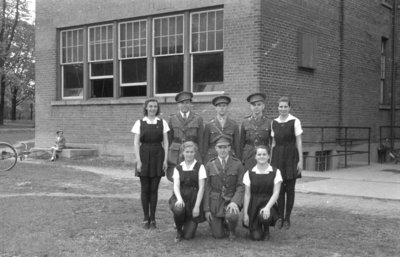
[(162, 55), (128, 58), (62, 64), (192, 53)]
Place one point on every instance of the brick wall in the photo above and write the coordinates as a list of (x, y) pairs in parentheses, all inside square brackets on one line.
[(260, 54)]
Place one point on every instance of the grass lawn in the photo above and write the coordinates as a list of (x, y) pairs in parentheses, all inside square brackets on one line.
[(51, 210)]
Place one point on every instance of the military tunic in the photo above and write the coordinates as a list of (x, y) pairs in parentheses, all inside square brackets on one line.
[(182, 130), (253, 133), (223, 186), (212, 130)]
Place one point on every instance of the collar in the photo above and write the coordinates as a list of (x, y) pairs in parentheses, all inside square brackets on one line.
[(182, 114), (183, 164), (145, 118), (288, 118), (257, 171), (226, 159)]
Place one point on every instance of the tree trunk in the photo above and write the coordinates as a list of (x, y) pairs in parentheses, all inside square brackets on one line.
[(14, 104), (2, 93)]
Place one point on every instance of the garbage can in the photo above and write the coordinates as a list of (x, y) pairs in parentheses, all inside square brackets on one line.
[(382, 152)]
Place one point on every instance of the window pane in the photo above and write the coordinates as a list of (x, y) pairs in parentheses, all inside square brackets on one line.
[(203, 41), (143, 29), (203, 21), (73, 80), (195, 23), (211, 41), (169, 74), (101, 87), (208, 72), (171, 26), (164, 42), (195, 42), (71, 46), (164, 27), (219, 40), (179, 44), (134, 71), (172, 44), (157, 28), (220, 20), (133, 91), (179, 25), (101, 69), (211, 21), (102, 43), (157, 46)]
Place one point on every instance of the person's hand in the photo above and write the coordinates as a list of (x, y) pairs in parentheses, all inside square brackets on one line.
[(233, 208), (196, 211), (208, 216), (246, 219), (265, 212), (180, 204), (299, 167), (139, 166), (165, 166)]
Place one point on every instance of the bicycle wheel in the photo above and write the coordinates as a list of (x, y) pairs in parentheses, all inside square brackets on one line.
[(8, 157)]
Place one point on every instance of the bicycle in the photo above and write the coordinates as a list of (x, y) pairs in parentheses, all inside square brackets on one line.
[(8, 156)]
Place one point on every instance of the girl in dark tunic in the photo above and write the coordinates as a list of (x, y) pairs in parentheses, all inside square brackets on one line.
[(150, 145), (262, 185), (186, 202), (287, 155)]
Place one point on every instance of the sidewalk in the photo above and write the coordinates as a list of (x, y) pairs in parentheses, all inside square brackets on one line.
[(381, 181)]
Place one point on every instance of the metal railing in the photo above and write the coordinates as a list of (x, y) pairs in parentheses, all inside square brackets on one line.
[(345, 137)]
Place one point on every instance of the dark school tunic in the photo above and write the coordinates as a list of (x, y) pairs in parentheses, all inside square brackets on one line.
[(261, 190), (285, 155), (151, 150), (189, 187)]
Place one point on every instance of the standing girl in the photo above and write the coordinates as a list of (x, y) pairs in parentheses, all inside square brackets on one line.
[(262, 185), (287, 155), (151, 148), (186, 202)]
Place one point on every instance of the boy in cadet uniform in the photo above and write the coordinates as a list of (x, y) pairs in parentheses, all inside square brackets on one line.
[(224, 190), (255, 130), (185, 125), (219, 125)]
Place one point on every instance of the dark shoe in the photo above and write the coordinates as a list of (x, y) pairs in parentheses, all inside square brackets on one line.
[(178, 237), (281, 223), (287, 224), (146, 224), (153, 224), (232, 236)]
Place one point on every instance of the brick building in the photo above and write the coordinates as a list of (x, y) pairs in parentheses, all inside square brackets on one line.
[(97, 61)]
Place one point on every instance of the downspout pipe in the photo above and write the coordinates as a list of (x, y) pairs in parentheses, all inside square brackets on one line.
[(394, 69)]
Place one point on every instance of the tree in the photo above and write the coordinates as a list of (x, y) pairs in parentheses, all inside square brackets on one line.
[(19, 68), (10, 18)]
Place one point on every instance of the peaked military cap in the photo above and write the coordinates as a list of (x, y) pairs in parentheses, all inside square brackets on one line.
[(184, 95), (256, 97), (223, 140), (222, 99)]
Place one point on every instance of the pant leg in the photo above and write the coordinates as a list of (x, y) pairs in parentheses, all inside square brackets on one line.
[(217, 227), (145, 196), (290, 191), (154, 183), (232, 220)]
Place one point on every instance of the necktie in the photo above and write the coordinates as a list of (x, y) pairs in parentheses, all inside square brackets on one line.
[(185, 116), (223, 163)]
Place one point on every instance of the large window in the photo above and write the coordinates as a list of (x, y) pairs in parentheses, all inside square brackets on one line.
[(133, 57), (168, 54), (207, 50), (72, 63), (101, 43)]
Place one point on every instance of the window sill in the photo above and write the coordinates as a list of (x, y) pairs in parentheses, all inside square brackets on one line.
[(130, 100), (388, 107)]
